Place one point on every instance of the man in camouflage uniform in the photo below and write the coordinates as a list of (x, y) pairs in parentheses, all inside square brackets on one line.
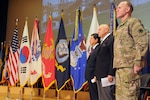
[(130, 48)]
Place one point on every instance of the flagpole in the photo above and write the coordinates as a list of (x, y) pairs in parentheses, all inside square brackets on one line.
[(44, 95), (8, 93), (74, 98), (20, 98), (31, 96), (58, 96), (21, 94)]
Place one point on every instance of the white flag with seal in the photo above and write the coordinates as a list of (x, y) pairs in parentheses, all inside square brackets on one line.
[(93, 29)]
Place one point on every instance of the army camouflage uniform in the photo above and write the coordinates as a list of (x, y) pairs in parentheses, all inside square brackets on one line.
[(130, 48)]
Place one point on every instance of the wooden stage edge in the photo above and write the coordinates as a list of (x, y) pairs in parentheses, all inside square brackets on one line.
[(26, 93)]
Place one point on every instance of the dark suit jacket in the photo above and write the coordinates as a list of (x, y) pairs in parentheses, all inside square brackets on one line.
[(90, 65), (104, 59)]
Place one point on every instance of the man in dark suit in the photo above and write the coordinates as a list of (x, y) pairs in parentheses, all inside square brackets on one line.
[(104, 63), (90, 66)]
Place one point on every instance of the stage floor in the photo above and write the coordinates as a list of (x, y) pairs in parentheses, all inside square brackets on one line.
[(17, 93), (25, 97)]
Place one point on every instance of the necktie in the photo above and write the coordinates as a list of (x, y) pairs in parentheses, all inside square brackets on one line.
[(91, 50)]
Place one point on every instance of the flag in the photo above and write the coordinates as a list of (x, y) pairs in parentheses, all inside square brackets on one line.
[(78, 55), (5, 71), (148, 54), (1, 61), (146, 69), (35, 71), (13, 59), (25, 57), (113, 19), (48, 57), (62, 58), (93, 29)]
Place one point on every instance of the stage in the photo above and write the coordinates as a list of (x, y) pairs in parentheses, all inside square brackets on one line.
[(26, 93)]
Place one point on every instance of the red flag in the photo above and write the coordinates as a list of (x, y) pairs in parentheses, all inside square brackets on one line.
[(13, 59), (48, 57)]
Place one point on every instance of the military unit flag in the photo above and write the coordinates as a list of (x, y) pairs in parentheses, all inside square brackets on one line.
[(36, 69), (62, 58), (48, 57), (78, 55)]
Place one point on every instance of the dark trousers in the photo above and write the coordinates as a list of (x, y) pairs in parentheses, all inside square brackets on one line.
[(105, 93), (93, 91)]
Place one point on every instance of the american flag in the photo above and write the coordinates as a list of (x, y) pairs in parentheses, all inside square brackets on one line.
[(13, 59)]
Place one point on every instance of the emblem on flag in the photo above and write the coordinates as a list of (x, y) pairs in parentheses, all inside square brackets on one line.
[(62, 51), (24, 54), (47, 51)]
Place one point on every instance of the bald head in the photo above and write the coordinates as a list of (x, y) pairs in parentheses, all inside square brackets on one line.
[(105, 26), (128, 4), (103, 30), (124, 10)]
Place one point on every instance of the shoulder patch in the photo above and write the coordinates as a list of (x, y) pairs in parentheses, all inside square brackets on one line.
[(141, 30)]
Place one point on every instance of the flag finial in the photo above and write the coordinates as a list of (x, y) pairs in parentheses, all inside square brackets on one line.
[(36, 17), (94, 5), (26, 18), (62, 14), (79, 8), (17, 20), (1, 45), (50, 17), (26, 21)]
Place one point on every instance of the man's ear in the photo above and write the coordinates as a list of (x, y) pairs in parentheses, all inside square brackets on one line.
[(107, 30), (128, 9), (96, 40)]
